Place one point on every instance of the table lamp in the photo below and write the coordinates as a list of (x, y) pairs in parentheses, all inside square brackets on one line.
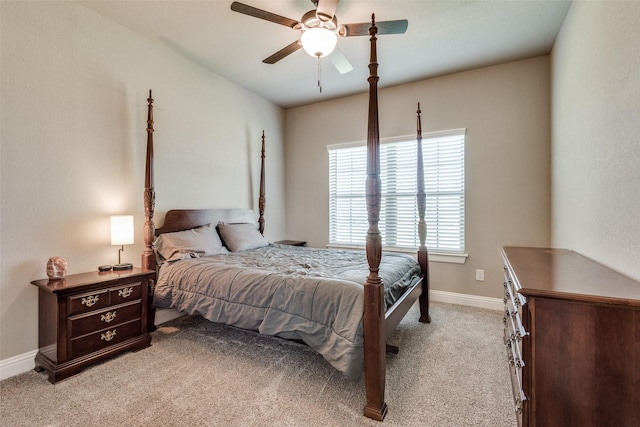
[(122, 234)]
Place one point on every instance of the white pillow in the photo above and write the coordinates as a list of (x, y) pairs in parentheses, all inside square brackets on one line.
[(241, 237), (195, 242)]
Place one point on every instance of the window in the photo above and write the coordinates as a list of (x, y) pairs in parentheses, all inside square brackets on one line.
[(443, 157)]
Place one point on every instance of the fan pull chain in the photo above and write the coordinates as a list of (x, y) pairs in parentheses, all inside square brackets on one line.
[(319, 74)]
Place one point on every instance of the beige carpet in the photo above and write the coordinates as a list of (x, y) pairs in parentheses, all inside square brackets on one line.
[(452, 372)]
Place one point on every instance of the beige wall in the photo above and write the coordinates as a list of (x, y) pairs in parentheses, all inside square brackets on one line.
[(73, 103), (505, 110), (596, 134)]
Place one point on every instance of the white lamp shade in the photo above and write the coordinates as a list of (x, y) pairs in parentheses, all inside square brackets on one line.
[(319, 42), (122, 230)]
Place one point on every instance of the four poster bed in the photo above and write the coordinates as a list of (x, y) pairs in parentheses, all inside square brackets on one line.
[(343, 304)]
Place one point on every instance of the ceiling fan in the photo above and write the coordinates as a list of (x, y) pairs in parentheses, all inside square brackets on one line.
[(319, 28)]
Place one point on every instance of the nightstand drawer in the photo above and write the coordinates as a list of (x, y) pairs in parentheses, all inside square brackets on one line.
[(89, 301), (127, 293), (104, 338), (111, 317)]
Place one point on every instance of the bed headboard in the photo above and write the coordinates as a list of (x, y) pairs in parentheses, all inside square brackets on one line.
[(184, 219)]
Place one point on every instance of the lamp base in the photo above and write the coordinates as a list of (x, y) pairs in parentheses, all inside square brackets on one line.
[(125, 266)]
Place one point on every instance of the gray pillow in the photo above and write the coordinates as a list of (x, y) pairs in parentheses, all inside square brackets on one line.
[(241, 237), (192, 243)]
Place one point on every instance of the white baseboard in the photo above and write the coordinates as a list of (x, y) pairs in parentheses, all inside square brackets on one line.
[(465, 299), (165, 314), (25, 362), (17, 364)]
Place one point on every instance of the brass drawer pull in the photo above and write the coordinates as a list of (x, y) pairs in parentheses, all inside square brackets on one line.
[(90, 300), (108, 317), (108, 336), (125, 293)]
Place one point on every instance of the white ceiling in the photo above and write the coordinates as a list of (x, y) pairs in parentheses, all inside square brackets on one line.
[(443, 37)]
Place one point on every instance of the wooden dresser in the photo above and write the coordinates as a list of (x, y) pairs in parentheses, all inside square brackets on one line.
[(85, 318), (572, 332)]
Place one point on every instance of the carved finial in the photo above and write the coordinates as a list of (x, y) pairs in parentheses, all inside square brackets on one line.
[(150, 114), (373, 19)]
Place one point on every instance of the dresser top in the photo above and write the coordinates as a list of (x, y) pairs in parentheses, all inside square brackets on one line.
[(561, 273), (75, 281)]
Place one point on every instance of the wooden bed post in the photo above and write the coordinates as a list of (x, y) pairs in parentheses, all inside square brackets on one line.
[(374, 310), (423, 255), (261, 199), (148, 256)]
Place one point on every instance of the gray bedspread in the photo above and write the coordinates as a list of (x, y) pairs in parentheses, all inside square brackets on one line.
[(315, 295)]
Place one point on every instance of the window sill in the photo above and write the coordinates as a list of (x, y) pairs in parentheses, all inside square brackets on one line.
[(448, 258), (445, 257)]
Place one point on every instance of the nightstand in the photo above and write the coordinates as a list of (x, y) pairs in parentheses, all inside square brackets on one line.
[(291, 242), (86, 318)]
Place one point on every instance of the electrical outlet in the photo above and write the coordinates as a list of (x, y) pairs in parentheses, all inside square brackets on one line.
[(480, 275)]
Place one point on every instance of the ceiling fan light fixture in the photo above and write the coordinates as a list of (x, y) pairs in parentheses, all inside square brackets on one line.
[(319, 42)]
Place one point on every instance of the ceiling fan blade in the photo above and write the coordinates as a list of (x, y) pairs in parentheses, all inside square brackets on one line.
[(263, 14), (393, 27), (340, 61), (326, 9), (384, 27), (285, 51)]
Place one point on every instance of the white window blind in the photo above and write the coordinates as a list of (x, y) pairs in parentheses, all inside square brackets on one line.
[(443, 156)]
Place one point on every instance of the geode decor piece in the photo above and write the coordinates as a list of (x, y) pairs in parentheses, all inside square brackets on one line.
[(56, 268)]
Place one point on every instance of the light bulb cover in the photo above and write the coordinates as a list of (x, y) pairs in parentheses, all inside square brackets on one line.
[(319, 42), (122, 230)]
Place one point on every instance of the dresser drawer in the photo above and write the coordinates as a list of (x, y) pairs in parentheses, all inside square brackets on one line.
[(90, 301), (111, 317), (126, 293), (516, 388), (514, 333), (104, 338), (103, 298)]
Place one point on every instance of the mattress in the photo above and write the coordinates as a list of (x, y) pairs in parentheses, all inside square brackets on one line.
[(309, 294)]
